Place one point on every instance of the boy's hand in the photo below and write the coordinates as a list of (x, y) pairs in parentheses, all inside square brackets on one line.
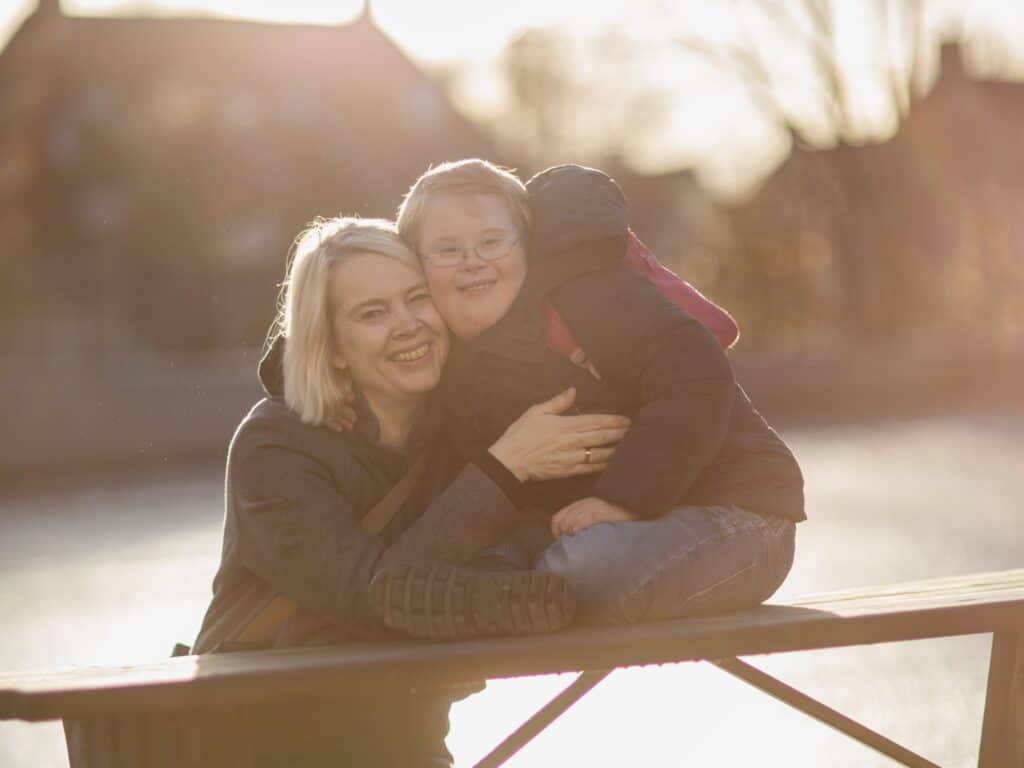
[(579, 357), (584, 513)]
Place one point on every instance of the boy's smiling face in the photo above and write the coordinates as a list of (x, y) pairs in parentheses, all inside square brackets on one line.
[(473, 294)]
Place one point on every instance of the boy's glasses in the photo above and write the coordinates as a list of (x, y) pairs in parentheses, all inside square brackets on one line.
[(488, 249)]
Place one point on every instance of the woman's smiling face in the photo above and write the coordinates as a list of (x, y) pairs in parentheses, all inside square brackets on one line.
[(386, 331), (473, 294)]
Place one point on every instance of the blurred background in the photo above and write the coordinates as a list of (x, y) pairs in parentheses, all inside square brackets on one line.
[(847, 178)]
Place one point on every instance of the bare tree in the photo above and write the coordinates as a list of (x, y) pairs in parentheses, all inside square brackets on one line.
[(810, 30), (578, 98)]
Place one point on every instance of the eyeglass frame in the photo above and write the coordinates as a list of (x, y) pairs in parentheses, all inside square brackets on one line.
[(464, 252)]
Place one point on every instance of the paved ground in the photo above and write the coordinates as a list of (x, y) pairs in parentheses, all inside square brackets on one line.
[(109, 570)]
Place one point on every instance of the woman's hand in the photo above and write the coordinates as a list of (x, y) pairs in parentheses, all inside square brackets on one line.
[(343, 420), (542, 445), (584, 513), (344, 416)]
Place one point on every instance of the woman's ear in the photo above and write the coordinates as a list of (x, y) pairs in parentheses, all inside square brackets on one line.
[(339, 362)]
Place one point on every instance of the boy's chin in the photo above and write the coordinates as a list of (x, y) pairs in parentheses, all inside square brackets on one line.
[(472, 324)]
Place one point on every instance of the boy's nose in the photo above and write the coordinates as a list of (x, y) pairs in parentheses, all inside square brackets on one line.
[(471, 261)]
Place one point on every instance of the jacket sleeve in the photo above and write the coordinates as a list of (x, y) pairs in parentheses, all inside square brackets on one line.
[(302, 535), (668, 363)]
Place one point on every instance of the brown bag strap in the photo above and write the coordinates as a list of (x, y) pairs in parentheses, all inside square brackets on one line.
[(265, 625), (377, 519)]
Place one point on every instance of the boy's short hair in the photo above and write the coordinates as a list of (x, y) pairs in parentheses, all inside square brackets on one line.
[(462, 177)]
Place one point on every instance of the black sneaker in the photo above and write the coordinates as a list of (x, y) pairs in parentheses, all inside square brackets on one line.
[(436, 601)]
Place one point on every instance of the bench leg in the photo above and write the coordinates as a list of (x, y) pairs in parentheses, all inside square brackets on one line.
[(1002, 731), (814, 708), (544, 717)]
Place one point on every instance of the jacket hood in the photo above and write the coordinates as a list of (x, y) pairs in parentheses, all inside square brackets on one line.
[(270, 371), (571, 205)]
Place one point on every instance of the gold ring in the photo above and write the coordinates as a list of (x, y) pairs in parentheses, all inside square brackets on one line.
[(586, 455)]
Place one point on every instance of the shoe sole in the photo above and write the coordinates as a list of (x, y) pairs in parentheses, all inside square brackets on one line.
[(435, 601)]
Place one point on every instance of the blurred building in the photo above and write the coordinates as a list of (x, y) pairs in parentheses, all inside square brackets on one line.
[(153, 171), (921, 236)]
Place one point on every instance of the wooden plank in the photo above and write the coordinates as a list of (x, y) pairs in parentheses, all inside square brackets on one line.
[(101, 750), (1002, 732), (158, 741), (226, 744), (187, 740), (944, 607), (944, 592), (127, 738)]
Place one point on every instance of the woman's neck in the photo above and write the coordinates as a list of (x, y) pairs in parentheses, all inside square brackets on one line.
[(395, 418)]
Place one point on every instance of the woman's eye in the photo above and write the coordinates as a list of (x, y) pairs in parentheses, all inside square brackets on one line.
[(371, 314)]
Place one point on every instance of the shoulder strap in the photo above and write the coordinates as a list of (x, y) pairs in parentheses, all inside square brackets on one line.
[(265, 625), (383, 511)]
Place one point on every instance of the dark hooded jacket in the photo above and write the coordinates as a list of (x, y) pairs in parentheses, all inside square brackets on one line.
[(294, 497), (695, 439)]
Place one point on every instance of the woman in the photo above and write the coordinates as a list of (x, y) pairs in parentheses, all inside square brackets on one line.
[(702, 495), (357, 319)]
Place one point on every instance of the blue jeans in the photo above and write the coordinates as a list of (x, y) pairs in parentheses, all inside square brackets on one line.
[(692, 560)]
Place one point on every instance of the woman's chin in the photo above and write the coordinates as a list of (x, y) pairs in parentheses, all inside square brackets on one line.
[(417, 381)]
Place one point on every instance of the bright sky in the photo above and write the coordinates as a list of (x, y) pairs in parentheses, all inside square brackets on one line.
[(428, 30), (709, 121)]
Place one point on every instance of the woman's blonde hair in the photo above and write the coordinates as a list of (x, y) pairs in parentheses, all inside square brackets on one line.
[(314, 388), (463, 177)]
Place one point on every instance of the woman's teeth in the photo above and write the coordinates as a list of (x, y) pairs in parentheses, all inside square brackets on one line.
[(411, 355)]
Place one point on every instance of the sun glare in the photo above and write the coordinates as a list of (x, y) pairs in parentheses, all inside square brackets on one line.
[(295, 11), (438, 30)]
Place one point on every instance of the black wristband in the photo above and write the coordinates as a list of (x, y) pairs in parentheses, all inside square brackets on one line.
[(502, 476)]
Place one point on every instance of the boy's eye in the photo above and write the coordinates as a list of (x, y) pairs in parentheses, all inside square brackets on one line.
[(449, 250), (419, 296)]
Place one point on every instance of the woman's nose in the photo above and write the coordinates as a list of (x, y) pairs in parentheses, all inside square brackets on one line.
[(406, 322)]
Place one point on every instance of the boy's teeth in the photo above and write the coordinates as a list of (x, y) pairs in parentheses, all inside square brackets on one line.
[(414, 354)]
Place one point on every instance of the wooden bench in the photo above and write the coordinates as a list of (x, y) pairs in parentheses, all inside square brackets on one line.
[(114, 708)]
